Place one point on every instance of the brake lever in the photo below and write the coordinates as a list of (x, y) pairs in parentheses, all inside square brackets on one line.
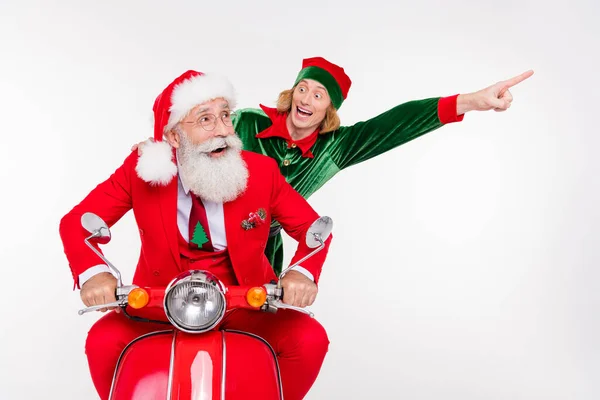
[(279, 304), (95, 308)]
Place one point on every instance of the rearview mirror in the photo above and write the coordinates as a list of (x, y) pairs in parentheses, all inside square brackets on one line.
[(96, 226), (319, 231)]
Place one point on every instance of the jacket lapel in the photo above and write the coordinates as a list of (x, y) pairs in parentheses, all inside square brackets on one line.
[(233, 232), (168, 210), (231, 226)]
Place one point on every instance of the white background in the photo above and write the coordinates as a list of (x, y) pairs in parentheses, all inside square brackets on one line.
[(465, 263)]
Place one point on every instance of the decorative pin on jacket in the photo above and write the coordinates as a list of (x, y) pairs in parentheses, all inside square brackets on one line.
[(254, 219)]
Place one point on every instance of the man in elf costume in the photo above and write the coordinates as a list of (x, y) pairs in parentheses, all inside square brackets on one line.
[(201, 202), (304, 136)]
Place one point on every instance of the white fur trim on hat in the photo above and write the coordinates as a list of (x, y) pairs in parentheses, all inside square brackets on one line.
[(198, 90), (156, 165)]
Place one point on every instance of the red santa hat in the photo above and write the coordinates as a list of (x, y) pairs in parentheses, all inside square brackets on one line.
[(157, 165)]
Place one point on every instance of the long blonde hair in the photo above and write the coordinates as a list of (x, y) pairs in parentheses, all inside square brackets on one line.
[(330, 123)]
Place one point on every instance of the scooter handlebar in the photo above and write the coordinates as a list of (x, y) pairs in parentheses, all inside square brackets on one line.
[(265, 297)]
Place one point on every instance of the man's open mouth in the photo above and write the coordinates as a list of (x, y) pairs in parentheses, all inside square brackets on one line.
[(219, 150), (303, 112)]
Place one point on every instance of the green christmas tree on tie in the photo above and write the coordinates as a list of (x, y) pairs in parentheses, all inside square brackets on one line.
[(199, 237)]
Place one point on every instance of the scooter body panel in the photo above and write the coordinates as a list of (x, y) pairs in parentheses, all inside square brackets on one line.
[(215, 365), (142, 371)]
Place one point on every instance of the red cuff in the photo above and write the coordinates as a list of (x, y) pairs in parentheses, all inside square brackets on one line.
[(447, 110)]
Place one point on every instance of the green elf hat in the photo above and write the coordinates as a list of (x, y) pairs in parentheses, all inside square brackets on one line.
[(329, 75)]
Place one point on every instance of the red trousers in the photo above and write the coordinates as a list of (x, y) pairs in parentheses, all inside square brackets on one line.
[(299, 341)]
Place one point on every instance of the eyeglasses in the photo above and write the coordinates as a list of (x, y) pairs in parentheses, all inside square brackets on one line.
[(208, 122)]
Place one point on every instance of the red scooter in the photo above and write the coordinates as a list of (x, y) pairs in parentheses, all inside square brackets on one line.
[(192, 358)]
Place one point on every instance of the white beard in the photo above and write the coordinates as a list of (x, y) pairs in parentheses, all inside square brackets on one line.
[(220, 179)]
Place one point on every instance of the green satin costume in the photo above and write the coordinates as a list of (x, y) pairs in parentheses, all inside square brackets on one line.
[(337, 150)]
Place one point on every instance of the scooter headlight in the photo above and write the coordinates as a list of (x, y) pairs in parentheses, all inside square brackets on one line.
[(195, 301)]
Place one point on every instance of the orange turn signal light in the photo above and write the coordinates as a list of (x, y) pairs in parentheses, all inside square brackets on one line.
[(256, 296), (138, 298)]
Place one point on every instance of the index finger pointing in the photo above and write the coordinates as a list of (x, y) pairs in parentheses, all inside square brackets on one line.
[(517, 79)]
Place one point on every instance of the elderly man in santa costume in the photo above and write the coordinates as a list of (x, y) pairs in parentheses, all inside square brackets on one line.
[(201, 202)]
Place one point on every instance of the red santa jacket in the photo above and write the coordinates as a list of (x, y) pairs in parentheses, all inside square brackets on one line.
[(155, 211)]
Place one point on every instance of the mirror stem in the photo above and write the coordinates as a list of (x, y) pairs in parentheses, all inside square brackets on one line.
[(112, 267), (285, 271)]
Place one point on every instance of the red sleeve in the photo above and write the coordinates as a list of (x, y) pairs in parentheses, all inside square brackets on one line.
[(447, 110), (295, 215), (110, 200)]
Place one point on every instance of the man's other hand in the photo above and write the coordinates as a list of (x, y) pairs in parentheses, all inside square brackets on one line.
[(99, 289), (298, 290)]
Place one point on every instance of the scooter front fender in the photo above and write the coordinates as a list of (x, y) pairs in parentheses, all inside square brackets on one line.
[(173, 365)]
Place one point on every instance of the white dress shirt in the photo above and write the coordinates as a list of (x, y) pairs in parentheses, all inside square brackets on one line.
[(216, 225)]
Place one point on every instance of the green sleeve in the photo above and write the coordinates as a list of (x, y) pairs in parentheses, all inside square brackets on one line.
[(247, 123), (366, 139)]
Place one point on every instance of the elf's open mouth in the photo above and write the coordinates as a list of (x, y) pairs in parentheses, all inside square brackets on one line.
[(303, 112)]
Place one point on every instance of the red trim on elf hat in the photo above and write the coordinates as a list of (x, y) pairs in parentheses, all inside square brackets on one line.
[(335, 70)]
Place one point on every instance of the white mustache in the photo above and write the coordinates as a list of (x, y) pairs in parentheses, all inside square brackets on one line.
[(219, 179), (217, 143)]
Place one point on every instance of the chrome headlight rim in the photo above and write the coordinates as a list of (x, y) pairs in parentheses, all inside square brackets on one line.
[(196, 276)]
